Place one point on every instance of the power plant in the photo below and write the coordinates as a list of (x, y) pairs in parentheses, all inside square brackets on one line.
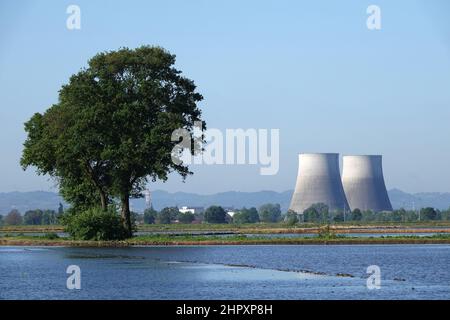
[(363, 181), (319, 181)]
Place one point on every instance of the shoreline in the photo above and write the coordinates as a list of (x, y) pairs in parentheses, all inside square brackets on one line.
[(247, 229), (130, 243)]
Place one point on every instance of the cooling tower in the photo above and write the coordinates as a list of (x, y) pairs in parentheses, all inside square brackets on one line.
[(363, 181), (318, 181)]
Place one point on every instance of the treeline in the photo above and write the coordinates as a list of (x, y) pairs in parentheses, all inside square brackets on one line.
[(320, 213), (271, 213), (213, 214), (268, 213), (32, 217)]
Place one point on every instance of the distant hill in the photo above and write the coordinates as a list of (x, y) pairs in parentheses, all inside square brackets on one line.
[(24, 201), (400, 199), (161, 199)]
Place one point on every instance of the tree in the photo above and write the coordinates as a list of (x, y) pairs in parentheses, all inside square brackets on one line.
[(49, 217), (291, 218), (318, 213), (150, 215), (445, 215), (311, 215), (270, 212), (13, 218), (33, 217), (167, 215), (186, 217), (111, 130), (356, 215), (1, 220), (338, 216), (60, 209), (429, 214), (215, 214), (246, 216)]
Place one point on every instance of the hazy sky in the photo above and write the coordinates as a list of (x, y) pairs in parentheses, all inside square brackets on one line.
[(310, 68)]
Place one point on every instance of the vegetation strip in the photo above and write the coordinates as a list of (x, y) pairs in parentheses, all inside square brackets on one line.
[(193, 241)]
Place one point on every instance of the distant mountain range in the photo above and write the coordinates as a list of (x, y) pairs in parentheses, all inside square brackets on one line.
[(24, 201)]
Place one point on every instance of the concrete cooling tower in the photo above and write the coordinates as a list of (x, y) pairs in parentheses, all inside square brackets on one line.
[(318, 181), (363, 181)]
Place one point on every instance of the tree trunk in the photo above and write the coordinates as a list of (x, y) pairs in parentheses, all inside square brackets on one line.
[(126, 215), (103, 200)]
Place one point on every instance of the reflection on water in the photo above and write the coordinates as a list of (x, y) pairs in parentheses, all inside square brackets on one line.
[(227, 272)]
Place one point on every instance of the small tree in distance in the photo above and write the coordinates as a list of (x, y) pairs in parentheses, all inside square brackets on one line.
[(246, 216), (215, 214), (356, 215), (13, 218), (270, 213), (186, 217), (150, 215), (167, 215)]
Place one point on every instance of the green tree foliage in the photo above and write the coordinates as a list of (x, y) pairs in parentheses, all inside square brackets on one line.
[(429, 214), (291, 218), (318, 213), (246, 216), (33, 217), (1, 220), (95, 224), (270, 213), (167, 215), (40, 217), (338, 216), (311, 215), (137, 218), (186, 217), (50, 217), (215, 214), (150, 215), (445, 215), (60, 209), (356, 215), (13, 218), (110, 132)]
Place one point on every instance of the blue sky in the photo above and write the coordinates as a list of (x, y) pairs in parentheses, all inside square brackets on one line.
[(310, 68)]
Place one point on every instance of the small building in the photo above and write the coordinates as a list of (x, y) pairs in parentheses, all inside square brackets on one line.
[(193, 210)]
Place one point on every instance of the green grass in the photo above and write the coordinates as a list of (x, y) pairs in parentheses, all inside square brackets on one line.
[(236, 227), (53, 239)]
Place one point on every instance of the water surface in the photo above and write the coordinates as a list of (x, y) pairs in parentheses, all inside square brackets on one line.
[(227, 272)]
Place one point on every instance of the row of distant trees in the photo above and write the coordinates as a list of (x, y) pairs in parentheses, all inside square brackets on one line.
[(268, 213), (319, 213), (32, 217), (214, 214), (271, 213)]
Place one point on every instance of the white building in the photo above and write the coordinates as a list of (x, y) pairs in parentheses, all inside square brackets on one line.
[(192, 210)]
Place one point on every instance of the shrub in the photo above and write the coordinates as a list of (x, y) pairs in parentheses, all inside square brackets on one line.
[(51, 236), (95, 224)]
